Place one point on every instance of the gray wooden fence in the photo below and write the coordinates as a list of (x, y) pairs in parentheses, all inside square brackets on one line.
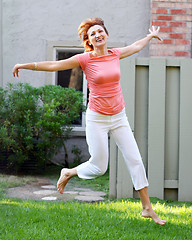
[(158, 96)]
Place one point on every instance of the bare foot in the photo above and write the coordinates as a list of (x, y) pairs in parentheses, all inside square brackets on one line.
[(63, 180), (151, 214)]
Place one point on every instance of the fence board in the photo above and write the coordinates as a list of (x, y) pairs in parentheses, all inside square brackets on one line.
[(172, 123), (113, 169), (156, 127), (128, 87), (185, 146), (124, 182), (141, 110)]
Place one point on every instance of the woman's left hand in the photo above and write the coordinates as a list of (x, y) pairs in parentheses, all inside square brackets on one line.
[(155, 33)]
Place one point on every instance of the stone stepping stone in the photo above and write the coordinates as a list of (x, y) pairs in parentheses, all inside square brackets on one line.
[(89, 198), (93, 193), (71, 192), (48, 187), (45, 192), (50, 198), (83, 189)]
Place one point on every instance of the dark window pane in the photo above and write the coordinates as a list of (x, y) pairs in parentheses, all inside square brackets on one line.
[(72, 78)]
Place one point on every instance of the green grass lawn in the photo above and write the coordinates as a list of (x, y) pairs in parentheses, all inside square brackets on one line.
[(120, 219)]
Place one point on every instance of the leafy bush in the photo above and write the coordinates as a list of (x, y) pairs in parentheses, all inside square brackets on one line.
[(77, 154), (35, 122)]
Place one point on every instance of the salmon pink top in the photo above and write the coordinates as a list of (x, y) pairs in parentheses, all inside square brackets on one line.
[(103, 77)]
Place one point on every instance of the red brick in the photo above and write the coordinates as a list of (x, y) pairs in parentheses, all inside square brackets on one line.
[(177, 24), (182, 54), (189, 25), (187, 48), (160, 23), (167, 41), (162, 11), (154, 5), (164, 17), (178, 11), (183, 18), (166, 53), (182, 5), (182, 42), (164, 35), (166, 29), (181, 30), (167, 0), (153, 10), (188, 36), (189, 11), (166, 5), (154, 17), (177, 35), (168, 46)]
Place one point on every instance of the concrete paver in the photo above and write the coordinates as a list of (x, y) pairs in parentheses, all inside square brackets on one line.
[(48, 192)]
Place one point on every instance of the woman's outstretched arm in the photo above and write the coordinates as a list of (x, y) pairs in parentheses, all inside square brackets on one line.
[(140, 44), (50, 66)]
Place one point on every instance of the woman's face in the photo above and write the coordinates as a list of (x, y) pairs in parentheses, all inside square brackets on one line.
[(97, 36)]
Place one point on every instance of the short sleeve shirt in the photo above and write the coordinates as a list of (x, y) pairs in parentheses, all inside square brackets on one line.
[(103, 78)]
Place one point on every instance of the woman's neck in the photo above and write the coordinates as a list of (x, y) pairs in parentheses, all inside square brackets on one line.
[(100, 51)]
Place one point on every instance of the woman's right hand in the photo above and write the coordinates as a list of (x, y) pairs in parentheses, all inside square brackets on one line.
[(154, 32), (15, 70)]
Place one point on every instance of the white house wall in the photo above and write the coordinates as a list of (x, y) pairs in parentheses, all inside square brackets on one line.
[(29, 25)]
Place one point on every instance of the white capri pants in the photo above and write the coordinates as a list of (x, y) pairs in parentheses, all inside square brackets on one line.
[(97, 128)]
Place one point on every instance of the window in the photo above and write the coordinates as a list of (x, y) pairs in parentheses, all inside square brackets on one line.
[(73, 78)]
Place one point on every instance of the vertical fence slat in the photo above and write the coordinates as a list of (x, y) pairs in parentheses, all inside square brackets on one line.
[(124, 182), (185, 146), (172, 123), (128, 87), (141, 111), (172, 132), (113, 169), (156, 127)]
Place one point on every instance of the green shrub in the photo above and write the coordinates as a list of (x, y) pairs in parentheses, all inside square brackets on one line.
[(77, 154), (35, 123)]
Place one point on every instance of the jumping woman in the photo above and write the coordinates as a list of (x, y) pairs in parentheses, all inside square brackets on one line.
[(106, 108)]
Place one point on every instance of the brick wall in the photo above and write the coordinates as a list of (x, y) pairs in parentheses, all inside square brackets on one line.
[(175, 19)]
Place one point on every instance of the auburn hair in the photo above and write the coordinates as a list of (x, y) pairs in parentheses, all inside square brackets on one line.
[(83, 29)]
